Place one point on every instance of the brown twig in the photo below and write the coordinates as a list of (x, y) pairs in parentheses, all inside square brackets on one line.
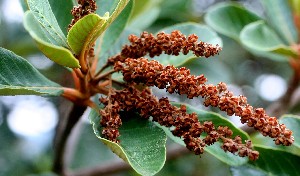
[(283, 105), (63, 131)]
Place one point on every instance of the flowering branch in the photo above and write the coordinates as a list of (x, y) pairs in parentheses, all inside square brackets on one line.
[(137, 70)]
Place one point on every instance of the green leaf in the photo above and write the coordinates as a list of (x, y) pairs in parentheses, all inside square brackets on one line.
[(18, 77), (258, 36), (62, 12), (114, 31), (85, 31), (117, 46), (280, 17), (142, 144), (215, 149), (229, 19), (42, 12), (276, 162), (58, 54), (246, 169), (106, 6), (144, 13), (295, 5), (204, 33)]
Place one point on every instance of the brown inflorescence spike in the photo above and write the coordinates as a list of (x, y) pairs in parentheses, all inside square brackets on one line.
[(84, 8), (171, 44), (186, 125), (179, 80)]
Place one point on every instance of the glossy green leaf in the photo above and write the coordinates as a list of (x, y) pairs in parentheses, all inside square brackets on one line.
[(204, 33), (280, 17), (58, 54), (229, 19), (142, 144), (84, 32), (114, 31), (258, 36), (42, 12), (18, 77), (276, 162), (215, 149), (62, 12)]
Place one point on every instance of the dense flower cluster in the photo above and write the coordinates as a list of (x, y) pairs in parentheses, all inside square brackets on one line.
[(137, 70), (179, 80), (186, 125), (84, 8), (171, 44)]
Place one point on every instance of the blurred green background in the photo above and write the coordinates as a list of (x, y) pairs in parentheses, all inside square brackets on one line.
[(27, 123)]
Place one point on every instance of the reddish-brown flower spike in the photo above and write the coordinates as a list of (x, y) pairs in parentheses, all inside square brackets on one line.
[(152, 73), (186, 125), (171, 44), (84, 8)]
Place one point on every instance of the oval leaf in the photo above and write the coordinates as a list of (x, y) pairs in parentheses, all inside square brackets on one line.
[(204, 33), (258, 36), (229, 19), (215, 149), (18, 77), (81, 33), (142, 144), (42, 12), (280, 17), (276, 162), (56, 53)]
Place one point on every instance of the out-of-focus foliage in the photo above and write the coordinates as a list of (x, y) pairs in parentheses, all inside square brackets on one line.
[(241, 64)]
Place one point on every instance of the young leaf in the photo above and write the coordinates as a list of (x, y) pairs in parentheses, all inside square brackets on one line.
[(82, 32), (142, 144), (205, 34), (276, 162), (58, 54), (96, 26), (18, 77), (280, 17), (215, 149), (229, 19), (258, 36)]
